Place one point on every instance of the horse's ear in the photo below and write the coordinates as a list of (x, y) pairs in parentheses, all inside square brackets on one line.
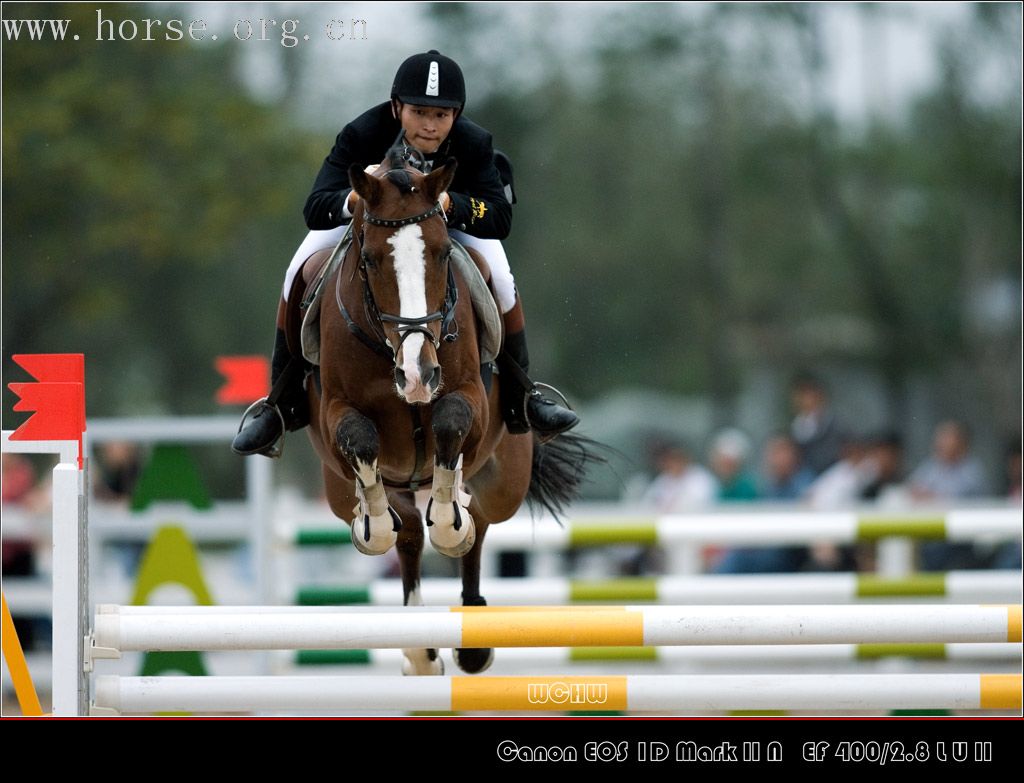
[(439, 179), (366, 186)]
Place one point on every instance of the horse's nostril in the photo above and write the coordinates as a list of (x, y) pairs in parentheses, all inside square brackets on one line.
[(435, 378), (400, 377)]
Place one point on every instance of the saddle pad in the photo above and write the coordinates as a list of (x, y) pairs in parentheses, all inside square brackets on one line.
[(310, 332), (484, 305)]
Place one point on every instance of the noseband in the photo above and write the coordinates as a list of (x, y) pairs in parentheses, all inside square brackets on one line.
[(406, 326)]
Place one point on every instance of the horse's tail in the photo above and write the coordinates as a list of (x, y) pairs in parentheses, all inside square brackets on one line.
[(559, 470)]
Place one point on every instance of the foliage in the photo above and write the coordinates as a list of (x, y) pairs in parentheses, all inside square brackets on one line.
[(150, 207), (692, 207)]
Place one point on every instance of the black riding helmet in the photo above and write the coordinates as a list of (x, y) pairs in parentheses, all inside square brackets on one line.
[(430, 79)]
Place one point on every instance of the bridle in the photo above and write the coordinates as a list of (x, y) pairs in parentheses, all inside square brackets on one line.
[(406, 326)]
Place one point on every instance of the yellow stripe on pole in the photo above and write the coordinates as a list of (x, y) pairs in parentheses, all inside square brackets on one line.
[(539, 693), (553, 629), (15, 657), (1013, 622), (552, 608), (1000, 692)]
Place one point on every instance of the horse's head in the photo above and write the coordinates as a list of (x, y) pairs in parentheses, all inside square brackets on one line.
[(404, 254)]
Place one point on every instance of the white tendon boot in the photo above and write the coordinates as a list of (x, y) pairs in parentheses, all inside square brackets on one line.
[(452, 531), (376, 525)]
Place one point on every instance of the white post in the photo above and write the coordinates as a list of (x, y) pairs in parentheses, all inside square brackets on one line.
[(895, 557), (70, 590), (259, 476)]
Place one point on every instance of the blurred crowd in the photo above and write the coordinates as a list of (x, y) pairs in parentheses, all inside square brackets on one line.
[(821, 462)]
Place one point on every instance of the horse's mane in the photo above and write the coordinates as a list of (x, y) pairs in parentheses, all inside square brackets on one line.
[(397, 172)]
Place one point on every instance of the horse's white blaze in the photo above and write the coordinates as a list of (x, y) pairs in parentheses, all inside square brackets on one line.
[(409, 251)]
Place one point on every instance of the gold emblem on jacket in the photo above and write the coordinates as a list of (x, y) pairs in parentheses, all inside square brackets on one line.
[(479, 209)]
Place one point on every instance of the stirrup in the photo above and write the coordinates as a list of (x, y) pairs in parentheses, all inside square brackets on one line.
[(536, 389), (275, 449)]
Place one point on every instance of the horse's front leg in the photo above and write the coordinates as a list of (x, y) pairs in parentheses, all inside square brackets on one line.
[(451, 527), (376, 525)]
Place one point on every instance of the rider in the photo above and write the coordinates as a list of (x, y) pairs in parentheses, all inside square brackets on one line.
[(425, 113)]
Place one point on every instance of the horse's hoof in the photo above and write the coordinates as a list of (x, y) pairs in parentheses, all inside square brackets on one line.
[(418, 663), (382, 534), (474, 660), (451, 542)]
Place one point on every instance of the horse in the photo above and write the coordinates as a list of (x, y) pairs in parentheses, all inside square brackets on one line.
[(401, 401)]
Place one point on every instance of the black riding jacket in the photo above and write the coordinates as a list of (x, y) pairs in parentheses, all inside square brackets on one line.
[(480, 206)]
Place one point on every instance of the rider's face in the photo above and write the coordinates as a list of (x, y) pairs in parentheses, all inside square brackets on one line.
[(426, 127)]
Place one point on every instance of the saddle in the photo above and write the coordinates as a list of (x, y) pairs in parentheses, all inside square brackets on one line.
[(302, 316)]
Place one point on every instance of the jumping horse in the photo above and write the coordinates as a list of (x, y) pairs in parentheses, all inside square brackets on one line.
[(401, 402)]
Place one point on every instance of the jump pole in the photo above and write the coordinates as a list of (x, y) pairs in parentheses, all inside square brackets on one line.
[(118, 629), (659, 693), (790, 528), (953, 586)]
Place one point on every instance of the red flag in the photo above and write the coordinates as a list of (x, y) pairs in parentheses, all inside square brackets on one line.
[(57, 411), (57, 400), (53, 367), (248, 379)]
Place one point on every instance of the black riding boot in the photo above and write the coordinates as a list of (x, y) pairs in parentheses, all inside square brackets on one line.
[(548, 418), (287, 407)]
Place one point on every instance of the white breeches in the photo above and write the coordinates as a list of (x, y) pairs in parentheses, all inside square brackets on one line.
[(490, 249)]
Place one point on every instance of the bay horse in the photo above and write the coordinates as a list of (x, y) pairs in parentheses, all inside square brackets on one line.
[(402, 403)]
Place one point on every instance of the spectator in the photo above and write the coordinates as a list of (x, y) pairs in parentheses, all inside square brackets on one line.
[(1009, 554), (19, 477), (785, 479), (841, 485), (886, 457), (119, 468), (1013, 469), (730, 450), (20, 487), (951, 473), (814, 428), (681, 484)]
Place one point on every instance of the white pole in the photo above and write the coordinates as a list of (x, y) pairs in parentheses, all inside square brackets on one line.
[(797, 527), (955, 586), (657, 693), (277, 628), (796, 655)]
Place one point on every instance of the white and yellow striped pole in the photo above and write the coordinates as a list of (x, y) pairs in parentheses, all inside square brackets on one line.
[(668, 693), (953, 586), (792, 527), (124, 628), (796, 657)]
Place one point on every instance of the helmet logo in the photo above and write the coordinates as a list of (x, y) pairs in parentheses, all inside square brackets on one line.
[(433, 80)]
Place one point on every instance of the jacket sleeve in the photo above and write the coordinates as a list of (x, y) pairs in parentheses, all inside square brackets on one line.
[(326, 204), (479, 205)]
